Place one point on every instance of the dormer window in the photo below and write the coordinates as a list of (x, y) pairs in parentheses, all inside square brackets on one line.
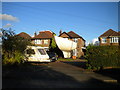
[(104, 40)]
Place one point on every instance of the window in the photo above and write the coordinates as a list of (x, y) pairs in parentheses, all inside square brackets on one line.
[(42, 51), (76, 40), (45, 41), (103, 40), (30, 51), (37, 41), (75, 52), (114, 40)]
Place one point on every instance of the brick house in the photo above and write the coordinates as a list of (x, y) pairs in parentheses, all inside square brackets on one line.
[(109, 37), (76, 38), (42, 39)]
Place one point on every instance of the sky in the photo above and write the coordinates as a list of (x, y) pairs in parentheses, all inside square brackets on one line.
[(87, 19)]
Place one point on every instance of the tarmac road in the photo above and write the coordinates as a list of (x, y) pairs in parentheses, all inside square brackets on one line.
[(54, 75)]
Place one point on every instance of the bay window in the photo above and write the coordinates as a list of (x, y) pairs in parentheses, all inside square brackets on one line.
[(114, 40)]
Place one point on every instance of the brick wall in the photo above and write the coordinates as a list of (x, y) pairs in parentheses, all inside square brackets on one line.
[(80, 44)]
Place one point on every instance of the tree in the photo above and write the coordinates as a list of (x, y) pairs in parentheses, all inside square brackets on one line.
[(53, 43), (54, 48), (13, 47)]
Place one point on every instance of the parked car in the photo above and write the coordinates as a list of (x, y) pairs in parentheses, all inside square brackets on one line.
[(36, 54), (52, 55)]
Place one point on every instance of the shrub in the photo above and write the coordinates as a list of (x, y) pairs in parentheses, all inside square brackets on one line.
[(14, 59), (103, 56)]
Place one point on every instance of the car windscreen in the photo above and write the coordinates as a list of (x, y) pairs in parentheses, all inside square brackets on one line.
[(42, 51)]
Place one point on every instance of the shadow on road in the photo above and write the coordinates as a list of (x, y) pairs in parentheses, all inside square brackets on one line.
[(41, 76), (114, 73), (76, 63)]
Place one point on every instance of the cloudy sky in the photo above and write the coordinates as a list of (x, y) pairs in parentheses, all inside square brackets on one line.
[(88, 19)]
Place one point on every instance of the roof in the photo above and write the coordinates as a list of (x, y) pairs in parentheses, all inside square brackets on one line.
[(24, 35), (44, 35), (66, 34), (72, 34), (110, 32), (119, 32)]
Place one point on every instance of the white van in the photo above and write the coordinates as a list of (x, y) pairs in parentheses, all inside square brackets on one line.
[(36, 54)]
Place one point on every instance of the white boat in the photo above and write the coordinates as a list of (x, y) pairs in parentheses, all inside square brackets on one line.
[(65, 45)]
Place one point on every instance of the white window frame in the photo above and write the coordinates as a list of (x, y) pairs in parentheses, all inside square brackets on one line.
[(104, 40), (114, 40), (75, 52), (38, 41), (76, 40), (46, 41)]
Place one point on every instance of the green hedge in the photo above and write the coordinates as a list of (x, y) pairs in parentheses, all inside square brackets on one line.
[(103, 56)]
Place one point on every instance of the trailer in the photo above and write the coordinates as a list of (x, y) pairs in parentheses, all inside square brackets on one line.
[(36, 54)]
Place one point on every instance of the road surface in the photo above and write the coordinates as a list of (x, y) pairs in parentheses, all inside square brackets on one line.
[(54, 75)]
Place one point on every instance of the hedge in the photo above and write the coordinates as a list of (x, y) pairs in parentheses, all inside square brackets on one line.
[(103, 56)]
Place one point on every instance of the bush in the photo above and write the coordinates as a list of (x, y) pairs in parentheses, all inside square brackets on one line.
[(103, 56), (14, 59)]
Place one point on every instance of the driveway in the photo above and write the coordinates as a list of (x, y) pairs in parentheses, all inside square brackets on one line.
[(54, 75)]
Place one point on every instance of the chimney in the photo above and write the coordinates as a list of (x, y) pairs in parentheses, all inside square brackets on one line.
[(60, 32), (35, 34)]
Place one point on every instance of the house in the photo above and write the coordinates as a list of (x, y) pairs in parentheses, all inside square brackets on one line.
[(109, 37), (24, 35), (42, 39), (76, 38)]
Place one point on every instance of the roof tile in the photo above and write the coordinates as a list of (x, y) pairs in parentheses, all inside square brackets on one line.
[(110, 32), (44, 35), (72, 34), (24, 35)]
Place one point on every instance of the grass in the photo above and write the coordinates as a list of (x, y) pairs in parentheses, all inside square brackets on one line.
[(70, 59), (66, 59)]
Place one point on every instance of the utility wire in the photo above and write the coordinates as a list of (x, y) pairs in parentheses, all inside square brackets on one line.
[(47, 16), (62, 13), (42, 11)]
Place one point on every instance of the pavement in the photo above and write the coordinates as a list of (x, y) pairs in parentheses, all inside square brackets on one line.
[(55, 75)]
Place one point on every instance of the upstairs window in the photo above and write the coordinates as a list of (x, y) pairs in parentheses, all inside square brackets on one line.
[(114, 40), (76, 40), (104, 40), (37, 41), (45, 41)]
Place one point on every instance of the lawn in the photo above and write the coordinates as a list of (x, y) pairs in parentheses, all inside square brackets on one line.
[(70, 59)]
